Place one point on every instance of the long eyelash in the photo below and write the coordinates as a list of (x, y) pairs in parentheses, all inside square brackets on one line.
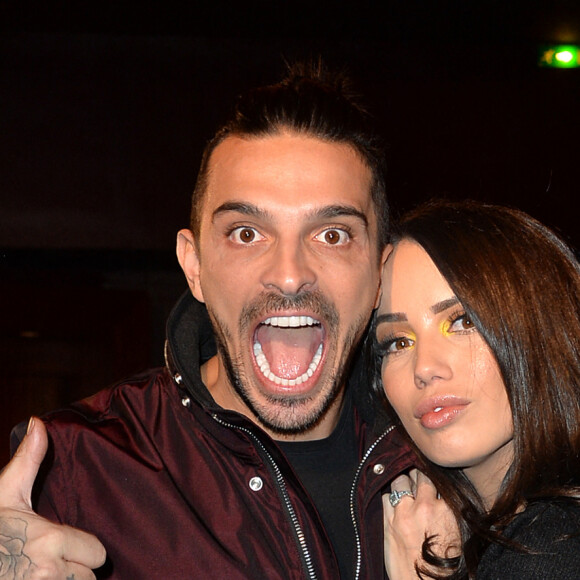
[(455, 316), (458, 315), (382, 347)]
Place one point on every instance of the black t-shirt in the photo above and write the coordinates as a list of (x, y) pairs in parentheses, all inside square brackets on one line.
[(326, 468)]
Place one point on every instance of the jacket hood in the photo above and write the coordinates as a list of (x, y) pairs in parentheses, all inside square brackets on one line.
[(190, 343)]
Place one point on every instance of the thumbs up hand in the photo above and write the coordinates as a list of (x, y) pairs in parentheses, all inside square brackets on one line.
[(32, 547)]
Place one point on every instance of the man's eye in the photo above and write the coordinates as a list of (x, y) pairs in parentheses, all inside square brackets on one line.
[(245, 235), (333, 237)]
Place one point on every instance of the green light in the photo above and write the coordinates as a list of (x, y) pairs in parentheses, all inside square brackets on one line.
[(564, 57), (560, 56)]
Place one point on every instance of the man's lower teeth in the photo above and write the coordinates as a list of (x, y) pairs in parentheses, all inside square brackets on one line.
[(265, 368)]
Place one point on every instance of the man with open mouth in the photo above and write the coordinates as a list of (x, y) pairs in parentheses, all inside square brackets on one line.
[(257, 451)]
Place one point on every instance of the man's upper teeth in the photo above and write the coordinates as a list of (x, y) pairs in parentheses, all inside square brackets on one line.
[(290, 321)]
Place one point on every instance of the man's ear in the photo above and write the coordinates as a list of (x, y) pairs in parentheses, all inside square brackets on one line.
[(386, 253), (189, 261)]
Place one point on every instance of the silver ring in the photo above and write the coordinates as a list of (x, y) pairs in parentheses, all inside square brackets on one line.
[(396, 496)]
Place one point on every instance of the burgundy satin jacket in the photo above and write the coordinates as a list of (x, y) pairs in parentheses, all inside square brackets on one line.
[(176, 487)]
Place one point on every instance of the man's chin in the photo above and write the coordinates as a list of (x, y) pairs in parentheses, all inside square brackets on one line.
[(291, 414), (287, 424)]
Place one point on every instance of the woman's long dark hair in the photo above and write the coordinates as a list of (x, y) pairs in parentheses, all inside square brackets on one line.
[(520, 284)]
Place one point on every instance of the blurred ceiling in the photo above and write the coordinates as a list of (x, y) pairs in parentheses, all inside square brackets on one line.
[(489, 21), (105, 106)]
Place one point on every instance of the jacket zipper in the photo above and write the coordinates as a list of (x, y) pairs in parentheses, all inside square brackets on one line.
[(353, 510), (307, 559)]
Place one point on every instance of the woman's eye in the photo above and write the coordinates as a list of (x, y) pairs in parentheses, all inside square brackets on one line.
[(333, 237), (395, 345), (462, 324), (399, 344), (245, 235)]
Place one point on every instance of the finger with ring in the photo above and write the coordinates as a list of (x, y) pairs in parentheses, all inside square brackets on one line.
[(396, 496)]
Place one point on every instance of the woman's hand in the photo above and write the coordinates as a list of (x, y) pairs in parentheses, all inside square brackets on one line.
[(416, 515)]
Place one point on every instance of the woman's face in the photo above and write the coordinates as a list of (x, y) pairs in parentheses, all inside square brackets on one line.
[(439, 374)]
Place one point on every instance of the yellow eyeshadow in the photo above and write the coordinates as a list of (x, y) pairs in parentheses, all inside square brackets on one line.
[(445, 326)]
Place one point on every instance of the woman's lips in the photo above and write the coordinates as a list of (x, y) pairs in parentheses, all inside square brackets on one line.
[(437, 412)]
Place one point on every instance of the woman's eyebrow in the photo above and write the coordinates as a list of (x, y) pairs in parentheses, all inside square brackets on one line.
[(402, 317), (444, 305), (391, 317)]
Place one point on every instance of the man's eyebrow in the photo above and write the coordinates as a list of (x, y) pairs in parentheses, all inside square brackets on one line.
[(338, 210), (328, 211), (245, 208), (402, 317)]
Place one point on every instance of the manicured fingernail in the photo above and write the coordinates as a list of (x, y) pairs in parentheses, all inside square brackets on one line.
[(30, 425)]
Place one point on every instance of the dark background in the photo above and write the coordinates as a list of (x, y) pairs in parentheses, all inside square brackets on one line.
[(105, 108)]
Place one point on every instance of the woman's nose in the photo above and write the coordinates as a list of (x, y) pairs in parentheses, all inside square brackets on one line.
[(432, 364)]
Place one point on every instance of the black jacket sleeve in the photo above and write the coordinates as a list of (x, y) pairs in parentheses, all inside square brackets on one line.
[(551, 534)]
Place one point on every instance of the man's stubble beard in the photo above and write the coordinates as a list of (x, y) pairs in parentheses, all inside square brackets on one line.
[(288, 415)]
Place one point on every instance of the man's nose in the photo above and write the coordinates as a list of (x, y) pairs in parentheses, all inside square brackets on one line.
[(289, 269), (432, 364)]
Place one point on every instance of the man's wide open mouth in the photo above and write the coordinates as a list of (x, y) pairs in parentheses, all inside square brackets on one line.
[(288, 349)]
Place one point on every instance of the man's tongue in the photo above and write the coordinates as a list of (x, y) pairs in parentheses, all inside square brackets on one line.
[(289, 351)]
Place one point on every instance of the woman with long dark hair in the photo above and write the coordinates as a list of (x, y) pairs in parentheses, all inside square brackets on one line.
[(478, 337)]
